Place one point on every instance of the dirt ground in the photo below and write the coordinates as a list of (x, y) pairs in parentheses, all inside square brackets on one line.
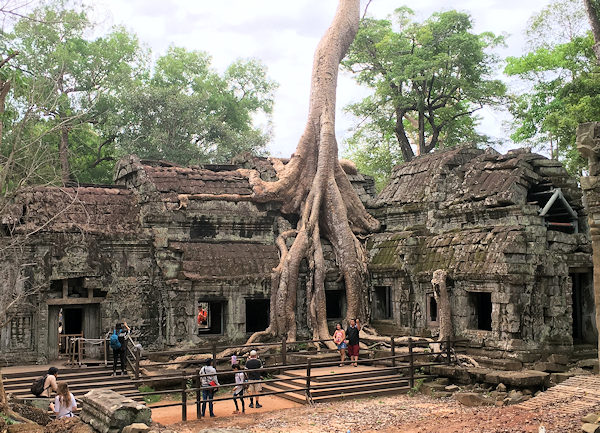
[(397, 414)]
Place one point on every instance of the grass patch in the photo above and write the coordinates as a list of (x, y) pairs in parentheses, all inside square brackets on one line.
[(149, 398)]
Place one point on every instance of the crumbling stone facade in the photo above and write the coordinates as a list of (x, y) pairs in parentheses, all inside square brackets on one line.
[(511, 232), (165, 240)]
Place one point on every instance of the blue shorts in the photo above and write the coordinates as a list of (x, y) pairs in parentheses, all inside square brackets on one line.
[(342, 345)]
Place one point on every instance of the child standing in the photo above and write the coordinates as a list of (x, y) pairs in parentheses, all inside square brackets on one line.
[(338, 338), (238, 391)]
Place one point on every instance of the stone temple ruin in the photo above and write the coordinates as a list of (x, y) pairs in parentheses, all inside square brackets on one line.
[(165, 241)]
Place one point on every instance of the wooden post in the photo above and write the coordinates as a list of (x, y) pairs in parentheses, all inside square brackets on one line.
[(198, 394), (308, 368), (138, 355), (79, 349), (411, 381), (393, 352), (183, 399), (448, 351), (105, 353), (214, 354), (284, 351)]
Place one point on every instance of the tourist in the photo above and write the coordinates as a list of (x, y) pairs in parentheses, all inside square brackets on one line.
[(210, 384), (50, 384), (118, 344), (238, 391), (202, 316), (64, 402), (339, 337), (255, 387), (353, 341)]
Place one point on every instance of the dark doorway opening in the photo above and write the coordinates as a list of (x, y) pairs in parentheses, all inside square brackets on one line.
[(212, 320), (382, 303), (481, 311), (257, 314), (432, 309), (335, 303), (73, 320), (583, 308)]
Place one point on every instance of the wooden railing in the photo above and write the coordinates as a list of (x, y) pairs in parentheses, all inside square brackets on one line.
[(406, 373)]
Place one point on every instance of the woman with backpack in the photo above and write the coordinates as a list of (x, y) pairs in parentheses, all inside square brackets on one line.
[(118, 344), (64, 402)]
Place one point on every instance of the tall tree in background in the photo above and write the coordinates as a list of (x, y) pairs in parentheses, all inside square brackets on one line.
[(562, 81), (187, 113), (85, 78), (592, 8), (428, 79)]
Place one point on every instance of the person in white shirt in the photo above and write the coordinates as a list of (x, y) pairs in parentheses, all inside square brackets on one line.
[(210, 382), (64, 402), (238, 391)]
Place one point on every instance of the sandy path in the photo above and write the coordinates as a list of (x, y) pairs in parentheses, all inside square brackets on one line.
[(222, 409)]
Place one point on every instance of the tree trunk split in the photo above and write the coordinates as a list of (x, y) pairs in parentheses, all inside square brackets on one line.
[(314, 186)]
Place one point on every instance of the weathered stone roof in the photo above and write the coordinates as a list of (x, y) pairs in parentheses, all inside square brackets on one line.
[(196, 180), (467, 174), (102, 210), (203, 260)]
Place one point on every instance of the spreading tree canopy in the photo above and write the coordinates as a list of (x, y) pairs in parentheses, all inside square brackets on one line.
[(428, 80), (562, 84), (187, 113)]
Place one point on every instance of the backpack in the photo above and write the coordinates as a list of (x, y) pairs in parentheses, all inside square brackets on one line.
[(115, 344), (37, 387)]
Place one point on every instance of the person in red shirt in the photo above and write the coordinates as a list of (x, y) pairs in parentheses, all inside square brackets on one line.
[(202, 316)]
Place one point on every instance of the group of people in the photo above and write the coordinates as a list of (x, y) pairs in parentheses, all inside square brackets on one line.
[(64, 403), (348, 340), (244, 380)]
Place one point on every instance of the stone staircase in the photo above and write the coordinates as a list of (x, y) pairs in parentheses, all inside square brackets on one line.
[(337, 383), (80, 381)]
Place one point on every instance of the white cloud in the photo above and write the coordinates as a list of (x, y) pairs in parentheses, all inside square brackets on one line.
[(284, 34)]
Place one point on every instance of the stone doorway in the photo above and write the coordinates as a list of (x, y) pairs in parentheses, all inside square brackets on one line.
[(582, 297), (66, 321)]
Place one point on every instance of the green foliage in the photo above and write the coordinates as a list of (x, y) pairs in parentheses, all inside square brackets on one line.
[(149, 398), (428, 80), (563, 85), (187, 113), (416, 388), (105, 97)]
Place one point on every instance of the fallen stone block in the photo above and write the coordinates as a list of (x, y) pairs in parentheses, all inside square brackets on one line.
[(588, 363), (550, 367), (451, 388), (519, 379), (136, 428), (591, 418), (109, 412), (560, 377), (590, 428), (557, 358), (472, 399)]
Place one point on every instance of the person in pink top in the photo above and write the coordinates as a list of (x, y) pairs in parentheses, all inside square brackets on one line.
[(339, 335)]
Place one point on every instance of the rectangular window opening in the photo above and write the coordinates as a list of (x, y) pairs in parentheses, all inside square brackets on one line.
[(335, 303), (432, 310), (210, 317), (382, 303), (257, 314), (480, 304)]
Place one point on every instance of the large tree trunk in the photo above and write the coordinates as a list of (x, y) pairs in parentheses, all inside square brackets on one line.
[(314, 186), (592, 7)]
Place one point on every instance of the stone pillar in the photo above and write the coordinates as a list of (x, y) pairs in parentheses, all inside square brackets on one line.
[(588, 144)]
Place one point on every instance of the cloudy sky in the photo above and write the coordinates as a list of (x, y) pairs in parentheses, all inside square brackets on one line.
[(283, 35)]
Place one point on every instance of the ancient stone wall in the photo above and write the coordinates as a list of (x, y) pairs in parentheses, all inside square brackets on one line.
[(478, 215)]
